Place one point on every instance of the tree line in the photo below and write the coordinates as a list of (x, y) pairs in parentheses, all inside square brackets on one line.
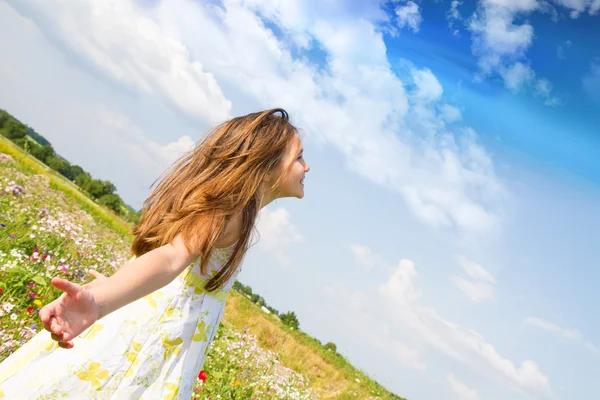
[(103, 192)]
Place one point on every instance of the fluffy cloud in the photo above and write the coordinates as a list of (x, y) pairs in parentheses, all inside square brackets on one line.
[(389, 130), (462, 391), (501, 45), (364, 256), (277, 232), (578, 7), (409, 15), (402, 298), (130, 48), (396, 309), (453, 16)]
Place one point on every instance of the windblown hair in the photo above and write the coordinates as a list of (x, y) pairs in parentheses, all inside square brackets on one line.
[(220, 177)]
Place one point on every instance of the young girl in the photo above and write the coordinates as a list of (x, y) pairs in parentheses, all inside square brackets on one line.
[(144, 332)]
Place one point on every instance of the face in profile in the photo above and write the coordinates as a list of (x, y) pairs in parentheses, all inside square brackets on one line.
[(295, 169)]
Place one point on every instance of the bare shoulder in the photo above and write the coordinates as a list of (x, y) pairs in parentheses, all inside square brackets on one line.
[(231, 233)]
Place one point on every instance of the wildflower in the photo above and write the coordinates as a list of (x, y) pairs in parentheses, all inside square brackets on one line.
[(29, 310), (202, 376), (31, 295), (3, 225), (34, 327), (37, 303), (13, 316), (1, 290)]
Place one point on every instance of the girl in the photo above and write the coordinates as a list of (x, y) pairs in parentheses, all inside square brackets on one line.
[(144, 332)]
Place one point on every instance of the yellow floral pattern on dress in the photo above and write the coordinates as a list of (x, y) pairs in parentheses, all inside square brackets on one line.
[(202, 333), (152, 297), (132, 357), (94, 375), (174, 391), (92, 330), (171, 346), (167, 314)]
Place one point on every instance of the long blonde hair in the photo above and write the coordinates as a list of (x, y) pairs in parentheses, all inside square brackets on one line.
[(220, 177)]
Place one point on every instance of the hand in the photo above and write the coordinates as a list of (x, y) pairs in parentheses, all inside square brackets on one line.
[(70, 314)]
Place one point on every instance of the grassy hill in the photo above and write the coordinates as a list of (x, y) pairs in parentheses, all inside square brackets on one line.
[(49, 227)]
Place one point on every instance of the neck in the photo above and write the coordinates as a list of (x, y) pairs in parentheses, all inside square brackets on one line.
[(267, 196)]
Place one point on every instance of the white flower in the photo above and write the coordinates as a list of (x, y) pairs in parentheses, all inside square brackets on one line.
[(13, 316)]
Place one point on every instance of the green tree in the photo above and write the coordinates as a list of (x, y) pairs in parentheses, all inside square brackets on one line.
[(14, 129), (73, 172), (82, 180), (112, 201), (331, 346), (97, 188), (58, 164), (290, 319), (42, 153)]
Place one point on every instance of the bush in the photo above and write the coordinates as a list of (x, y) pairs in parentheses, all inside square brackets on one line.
[(290, 319)]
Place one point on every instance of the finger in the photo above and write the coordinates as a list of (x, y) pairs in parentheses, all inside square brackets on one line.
[(56, 337), (66, 345), (47, 326), (66, 286), (55, 327), (96, 274), (46, 313)]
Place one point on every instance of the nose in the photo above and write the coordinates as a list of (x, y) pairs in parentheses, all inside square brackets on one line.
[(306, 167)]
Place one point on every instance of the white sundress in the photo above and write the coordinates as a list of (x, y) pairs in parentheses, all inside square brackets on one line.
[(150, 349)]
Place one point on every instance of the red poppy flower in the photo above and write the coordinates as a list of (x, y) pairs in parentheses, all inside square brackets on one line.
[(30, 310), (1, 290), (202, 376)]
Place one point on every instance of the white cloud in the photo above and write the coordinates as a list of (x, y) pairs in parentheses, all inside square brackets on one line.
[(449, 113), (387, 133), (578, 7), (401, 298), (520, 75), (354, 309), (517, 75), (501, 44), (364, 256), (571, 334), (476, 291), (453, 16), (591, 81), (480, 288), (566, 333), (462, 391), (131, 48), (409, 15), (475, 270), (277, 232)]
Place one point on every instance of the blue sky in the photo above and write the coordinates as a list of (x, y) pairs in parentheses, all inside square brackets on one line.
[(446, 242)]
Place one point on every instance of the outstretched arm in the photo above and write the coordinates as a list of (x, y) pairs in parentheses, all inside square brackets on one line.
[(79, 307)]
